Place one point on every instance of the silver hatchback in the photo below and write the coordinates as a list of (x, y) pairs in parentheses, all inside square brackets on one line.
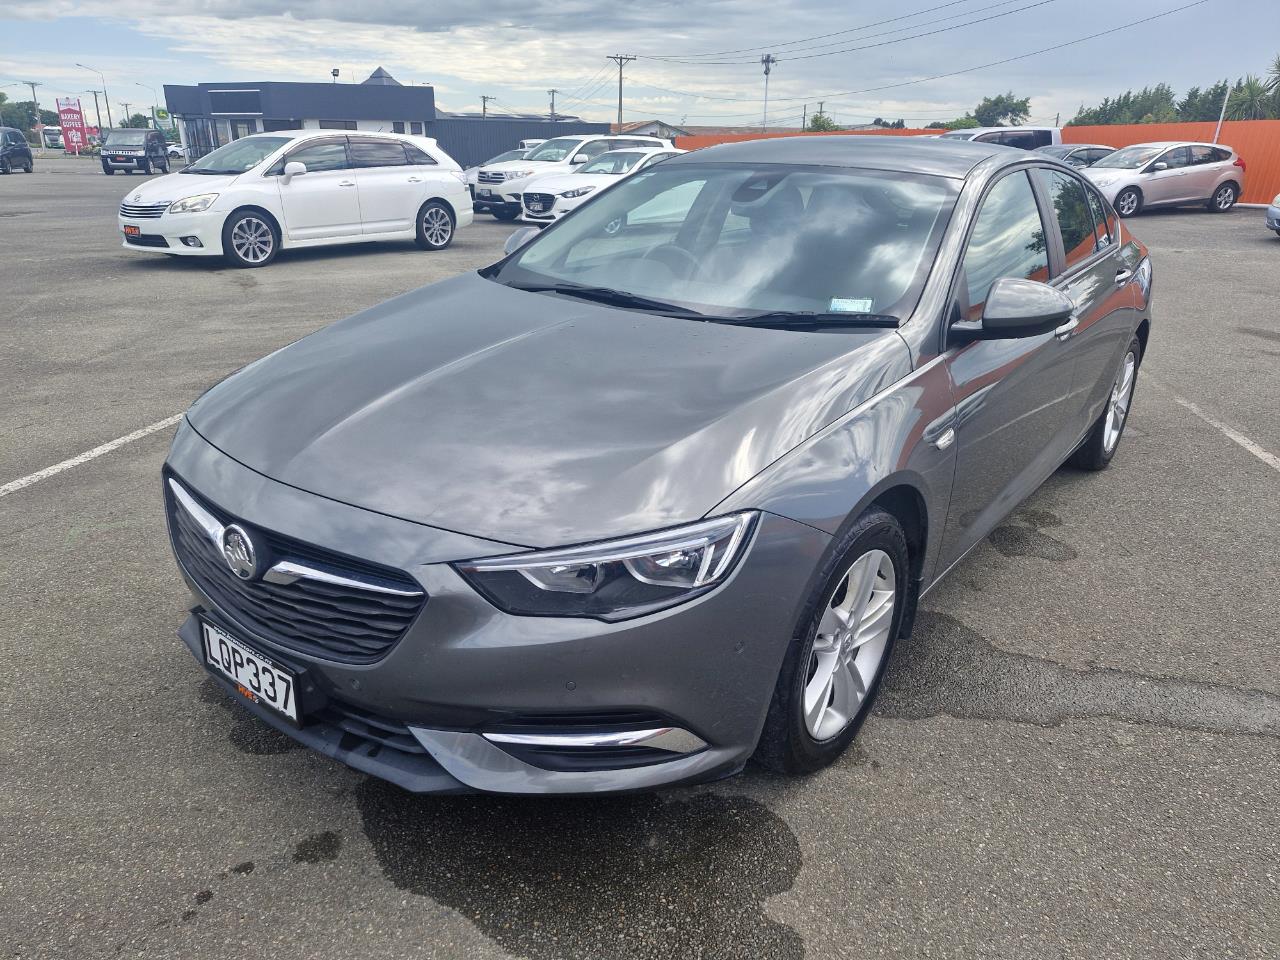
[(1169, 174)]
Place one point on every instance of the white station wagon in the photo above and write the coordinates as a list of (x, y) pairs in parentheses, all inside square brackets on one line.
[(303, 188)]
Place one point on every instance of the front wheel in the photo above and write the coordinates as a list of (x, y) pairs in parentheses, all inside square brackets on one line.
[(435, 226), (1103, 439), (249, 240), (5, 167), (1128, 202), (164, 166), (30, 167), (146, 168), (833, 668), (1224, 198), (108, 170)]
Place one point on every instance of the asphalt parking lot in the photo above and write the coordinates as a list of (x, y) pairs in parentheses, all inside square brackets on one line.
[(1076, 755)]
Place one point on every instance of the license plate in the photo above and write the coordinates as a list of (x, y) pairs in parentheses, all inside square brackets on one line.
[(485, 192), (131, 231), (537, 207), (257, 677), (121, 159)]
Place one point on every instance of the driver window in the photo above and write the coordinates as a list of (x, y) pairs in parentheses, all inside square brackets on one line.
[(1008, 240), (320, 157), (593, 149)]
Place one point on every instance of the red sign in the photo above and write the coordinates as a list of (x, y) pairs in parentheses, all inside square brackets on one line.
[(71, 119)]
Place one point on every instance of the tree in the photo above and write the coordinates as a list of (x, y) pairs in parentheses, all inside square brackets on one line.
[(1250, 100), (1004, 109), (821, 123), (962, 123), (937, 125), (137, 121)]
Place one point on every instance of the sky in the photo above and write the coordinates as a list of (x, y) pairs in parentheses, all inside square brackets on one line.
[(698, 63)]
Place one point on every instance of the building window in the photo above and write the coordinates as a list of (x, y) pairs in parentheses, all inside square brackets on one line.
[(270, 126), (337, 124), (415, 127), (397, 126)]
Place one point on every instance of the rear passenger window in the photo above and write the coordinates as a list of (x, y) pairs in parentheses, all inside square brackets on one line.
[(1007, 241), (377, 153), (1202, 155), (1075, 219)]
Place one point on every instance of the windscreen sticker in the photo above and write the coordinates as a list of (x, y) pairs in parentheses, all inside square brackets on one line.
[(848, 305)]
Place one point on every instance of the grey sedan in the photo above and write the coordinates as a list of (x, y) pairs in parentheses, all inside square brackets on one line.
[(1077, 154), (658, 492)]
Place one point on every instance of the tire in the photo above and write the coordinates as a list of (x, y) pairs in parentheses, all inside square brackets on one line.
[(244, 236), (164, 166), (1128, 202), (506, 213), (436, 226), (1103, 439), (5, 167), (30, 167), (791, 742), (146, 168), (108, 170), (1223, 199)]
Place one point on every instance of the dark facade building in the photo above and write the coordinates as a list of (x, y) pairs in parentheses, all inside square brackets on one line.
[(213, 114)]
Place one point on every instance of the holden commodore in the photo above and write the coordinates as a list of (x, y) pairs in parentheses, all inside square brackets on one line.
[(659, 491)]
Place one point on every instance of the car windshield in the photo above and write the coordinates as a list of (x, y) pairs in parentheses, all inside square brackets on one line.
[(1130, 158), (555, 150), (958, 135), (503, 157), (1055, 151), (126, 138), (729, 241), (618, 161), (237, 156)]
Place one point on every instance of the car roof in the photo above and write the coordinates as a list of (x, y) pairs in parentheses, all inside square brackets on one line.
[(643, 150), (1164, 144), (936, 157)]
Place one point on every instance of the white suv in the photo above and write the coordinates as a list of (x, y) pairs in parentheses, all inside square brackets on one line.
[(499, 185), (299, 188)]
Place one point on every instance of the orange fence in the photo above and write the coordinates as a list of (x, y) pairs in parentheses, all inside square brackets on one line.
[(1257, 141)]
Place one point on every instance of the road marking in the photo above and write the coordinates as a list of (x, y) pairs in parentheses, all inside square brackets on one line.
[(47, 472), (1235, 436)]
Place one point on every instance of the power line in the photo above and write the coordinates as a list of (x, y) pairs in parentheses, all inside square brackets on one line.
[(941, 76)]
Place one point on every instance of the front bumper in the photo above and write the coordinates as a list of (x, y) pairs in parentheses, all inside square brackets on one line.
[(164, 234), (1273, 217), (464, 671)]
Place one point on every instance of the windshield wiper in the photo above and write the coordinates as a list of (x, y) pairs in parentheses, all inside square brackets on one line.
[(212, 173), (809, 320), (612, 297)]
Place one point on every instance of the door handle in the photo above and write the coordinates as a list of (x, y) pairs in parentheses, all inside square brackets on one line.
[(1068, 329), (1123, 277), (415, 179), (346, 183)]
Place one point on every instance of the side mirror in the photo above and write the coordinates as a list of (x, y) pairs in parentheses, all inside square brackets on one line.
[(519, 239), (579, 158), (294, 168), (1023, 308), (1157, 167)]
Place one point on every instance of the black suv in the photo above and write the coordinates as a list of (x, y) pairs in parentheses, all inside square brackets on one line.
[(15, 152), (131, 149)]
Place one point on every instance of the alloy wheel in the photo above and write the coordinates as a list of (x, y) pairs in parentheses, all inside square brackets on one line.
[(252, 240), (436, 226), (850, 645), (1127, 203), (1224, 198), (1118, 404)]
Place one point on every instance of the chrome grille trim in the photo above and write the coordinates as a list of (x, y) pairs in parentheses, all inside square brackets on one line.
[(144, 211)]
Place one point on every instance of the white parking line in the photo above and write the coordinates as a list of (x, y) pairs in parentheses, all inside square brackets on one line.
[(1235, 436), (88, 455)]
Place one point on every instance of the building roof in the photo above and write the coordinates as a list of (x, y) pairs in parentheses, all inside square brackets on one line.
[(381, 78)]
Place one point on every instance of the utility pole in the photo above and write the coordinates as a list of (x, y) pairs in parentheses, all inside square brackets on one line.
[(105, 99), (804, 117), (1057, 119), (484, 105), (768, 60), (127, 114), (96, 112), (621, 60), (553, 91), (33, 84), (1222, 115)]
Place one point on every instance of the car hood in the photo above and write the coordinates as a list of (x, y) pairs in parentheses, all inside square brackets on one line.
[(536, 419), (519, 165), (558, 183), (175, 186)]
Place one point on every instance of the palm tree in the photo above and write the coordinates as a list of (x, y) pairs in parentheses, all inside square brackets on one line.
[(1251, 100), (1273, 85)]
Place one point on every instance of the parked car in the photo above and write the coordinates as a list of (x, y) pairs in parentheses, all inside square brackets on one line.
[(257, 195), (549, 197), (15, 152), (1170, 174), (176, 151), (499, 185), (1077, 154), (635, 504), (530, 144), (131, 149), (1025, 138), (1273, 215), (473, 172)]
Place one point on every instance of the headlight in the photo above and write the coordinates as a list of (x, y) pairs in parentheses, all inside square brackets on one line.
[(195, 204), (617, 579), (519, 174), (577, 192), (1276, 202)]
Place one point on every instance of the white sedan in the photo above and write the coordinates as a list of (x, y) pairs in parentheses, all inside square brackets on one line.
[(548, 198), (302, 188)]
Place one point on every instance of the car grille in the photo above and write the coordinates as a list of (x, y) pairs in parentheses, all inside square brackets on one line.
[(486, 177), (143, 211), (369, 727), (331, 621), (539, 202), (146, 240)]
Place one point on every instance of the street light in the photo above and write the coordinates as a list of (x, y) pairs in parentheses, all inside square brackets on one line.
[(154, 123), (104, 90)]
